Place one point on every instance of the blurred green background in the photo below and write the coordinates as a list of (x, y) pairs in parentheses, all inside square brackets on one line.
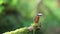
[(16, 14)]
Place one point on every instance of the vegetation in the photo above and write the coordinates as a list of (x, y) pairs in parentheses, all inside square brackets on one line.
[(16, 14)]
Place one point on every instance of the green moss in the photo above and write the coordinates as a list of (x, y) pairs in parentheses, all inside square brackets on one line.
[(18, 31)]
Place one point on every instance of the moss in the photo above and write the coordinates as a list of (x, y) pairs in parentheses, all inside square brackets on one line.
[(18, 31)]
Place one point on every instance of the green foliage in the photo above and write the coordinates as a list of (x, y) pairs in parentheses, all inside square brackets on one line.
[(27, 9), (50, 21)]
